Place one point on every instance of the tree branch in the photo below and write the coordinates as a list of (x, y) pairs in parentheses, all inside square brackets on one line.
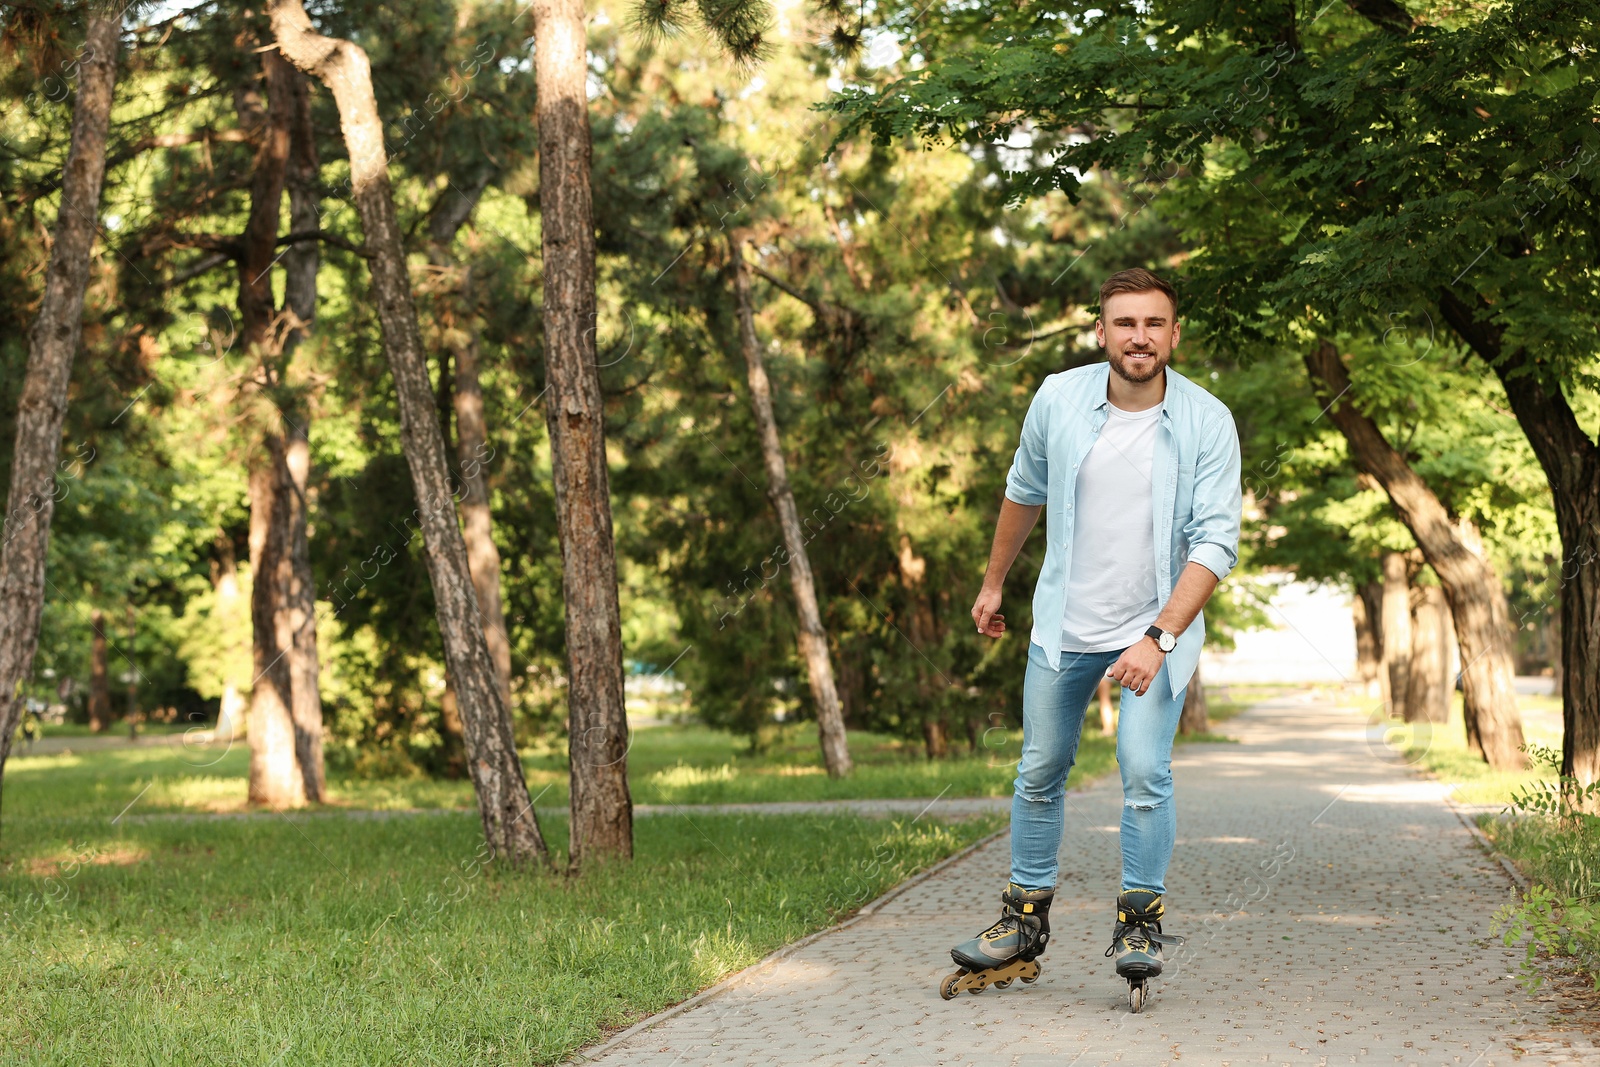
[(1388, 15), (1024, 342), (1570, 458), (229, 247), (198, 267), (455, 205), (326, 238)]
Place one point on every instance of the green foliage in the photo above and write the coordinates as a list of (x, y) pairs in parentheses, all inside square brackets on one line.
[(1551, 924), (910, 303), (1566, 801), (1556, 833)]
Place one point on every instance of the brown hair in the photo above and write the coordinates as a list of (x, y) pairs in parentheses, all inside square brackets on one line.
[(1135, 280)]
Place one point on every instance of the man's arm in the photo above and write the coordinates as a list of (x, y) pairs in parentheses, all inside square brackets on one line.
[(1027, 491), (1194, 588), (1137, 667), (1010, 533)]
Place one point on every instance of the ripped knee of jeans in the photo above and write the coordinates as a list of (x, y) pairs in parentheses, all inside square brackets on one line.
[(1141, 805)]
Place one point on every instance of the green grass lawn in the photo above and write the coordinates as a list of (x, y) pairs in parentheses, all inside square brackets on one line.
[(362, 940), (1441, 749), (666, 765), (367, 939)]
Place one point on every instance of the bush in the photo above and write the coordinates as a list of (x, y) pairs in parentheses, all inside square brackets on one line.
[(1550, 832)]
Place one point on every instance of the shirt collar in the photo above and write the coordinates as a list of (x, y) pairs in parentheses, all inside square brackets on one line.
[(1104, 401)]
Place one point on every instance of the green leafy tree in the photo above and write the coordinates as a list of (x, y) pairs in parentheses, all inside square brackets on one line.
[(1351, 166)]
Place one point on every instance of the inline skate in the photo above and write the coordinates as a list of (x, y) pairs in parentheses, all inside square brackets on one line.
[(1137, 941), (1008, 950)]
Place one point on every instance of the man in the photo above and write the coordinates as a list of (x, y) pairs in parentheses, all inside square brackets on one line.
[(1139, 470)]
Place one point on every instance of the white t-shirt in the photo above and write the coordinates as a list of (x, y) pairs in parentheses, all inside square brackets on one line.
[(1111, 593)]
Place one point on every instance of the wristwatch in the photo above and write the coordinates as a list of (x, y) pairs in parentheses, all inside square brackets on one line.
[(1165, 641)]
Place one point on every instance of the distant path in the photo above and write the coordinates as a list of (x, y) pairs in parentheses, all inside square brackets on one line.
[(938, 807), (55, 746), (1337, 912)]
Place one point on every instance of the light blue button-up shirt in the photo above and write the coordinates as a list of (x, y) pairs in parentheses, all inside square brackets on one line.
[(1194, 486)]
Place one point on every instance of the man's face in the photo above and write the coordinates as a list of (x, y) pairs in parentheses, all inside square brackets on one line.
[(1138, 332)]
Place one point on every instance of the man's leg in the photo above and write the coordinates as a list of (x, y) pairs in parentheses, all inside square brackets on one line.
[(1149, 827), (1053, 704), (1145, 730)]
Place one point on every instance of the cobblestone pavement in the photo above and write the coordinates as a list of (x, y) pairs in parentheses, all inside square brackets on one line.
[(1337, 912)]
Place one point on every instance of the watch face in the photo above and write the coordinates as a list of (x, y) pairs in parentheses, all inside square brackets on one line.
[(1168, 642)]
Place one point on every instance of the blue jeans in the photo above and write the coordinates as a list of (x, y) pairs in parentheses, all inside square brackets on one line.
[(1053, 704)]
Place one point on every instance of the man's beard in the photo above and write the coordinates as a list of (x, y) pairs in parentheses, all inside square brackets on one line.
[(1127, 374)]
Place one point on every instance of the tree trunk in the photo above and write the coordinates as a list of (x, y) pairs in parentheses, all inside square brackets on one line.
[(509, 822), (1195, 718), (1108, 717), (472, 435), (602, 811), (51, 346), (1552, 640), (1367, 609), (924, 635), (278, 778), (1571, 462), (1396, 655), (813, 640), (275, 777), (300, 302), (298, 607), (1477, 602), (1428, 698), (301, 260), (99, 685), (133, 675), (225, 581), (472, 452), (455, 737), (271, 130)]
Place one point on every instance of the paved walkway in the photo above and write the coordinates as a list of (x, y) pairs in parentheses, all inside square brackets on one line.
[(1337, 912)]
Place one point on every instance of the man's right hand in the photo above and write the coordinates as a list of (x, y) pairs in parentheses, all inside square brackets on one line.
[(986, 613)]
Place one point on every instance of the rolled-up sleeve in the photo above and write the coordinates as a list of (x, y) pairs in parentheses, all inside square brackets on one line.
[(1212, 532), (1029, 478)]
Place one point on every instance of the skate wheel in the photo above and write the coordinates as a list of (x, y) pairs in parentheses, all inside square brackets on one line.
[(1136, 996), (1003, 983), (947, 988), (1031, 975)]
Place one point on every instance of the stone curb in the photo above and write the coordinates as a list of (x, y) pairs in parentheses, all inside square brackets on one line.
[(738, 978), (1488, 846)]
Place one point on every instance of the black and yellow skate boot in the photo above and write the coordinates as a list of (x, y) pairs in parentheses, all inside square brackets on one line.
[(1137, 952), (1008, 949), (1137, 941)]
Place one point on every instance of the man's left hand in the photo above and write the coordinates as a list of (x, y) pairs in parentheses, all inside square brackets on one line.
[(1137, 667)]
